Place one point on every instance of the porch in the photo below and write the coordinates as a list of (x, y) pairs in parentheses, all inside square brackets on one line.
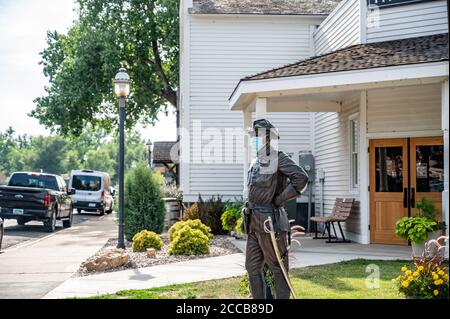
[(395, 92)]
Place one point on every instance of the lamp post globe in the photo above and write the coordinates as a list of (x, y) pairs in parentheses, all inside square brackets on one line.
[(122, 90)]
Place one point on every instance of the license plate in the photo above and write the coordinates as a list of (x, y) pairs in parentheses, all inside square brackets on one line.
[(91, 204), (17, 211)]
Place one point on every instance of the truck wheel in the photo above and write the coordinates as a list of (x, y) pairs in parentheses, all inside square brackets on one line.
[(67, 223), (21, 221), (50, 224)]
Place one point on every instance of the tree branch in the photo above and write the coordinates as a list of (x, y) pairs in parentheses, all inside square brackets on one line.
[(167, 93)]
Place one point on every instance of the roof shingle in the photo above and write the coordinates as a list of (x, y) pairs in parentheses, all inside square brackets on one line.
[(424, 49), (264, 7)]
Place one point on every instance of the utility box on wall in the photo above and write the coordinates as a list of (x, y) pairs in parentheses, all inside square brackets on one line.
[(306, 160)]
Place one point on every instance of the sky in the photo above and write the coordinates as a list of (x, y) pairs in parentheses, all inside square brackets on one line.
[(23, 28)]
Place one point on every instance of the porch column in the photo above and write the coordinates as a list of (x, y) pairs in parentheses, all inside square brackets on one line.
[(445, 127), (260, 108), (247, 123), (364, 198)]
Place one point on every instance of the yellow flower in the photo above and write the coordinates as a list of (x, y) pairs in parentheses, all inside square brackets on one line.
[(420, 268), (405, 284), (441, 272), (436, 292), (433, 273), (404, 268), (408, 272), (416, 274), (446, 276), (410, 278), (437, 282), (435, 277)]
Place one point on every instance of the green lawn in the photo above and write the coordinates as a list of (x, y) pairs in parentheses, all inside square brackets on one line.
[(333, 281)]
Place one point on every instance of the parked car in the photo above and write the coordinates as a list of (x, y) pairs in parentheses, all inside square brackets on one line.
[(36, 196), (2, 231), (93, 191)]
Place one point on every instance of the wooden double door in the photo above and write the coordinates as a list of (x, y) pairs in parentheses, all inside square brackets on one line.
[(402, 171)]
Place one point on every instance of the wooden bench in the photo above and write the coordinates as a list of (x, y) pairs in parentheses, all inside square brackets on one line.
[(340, 213)]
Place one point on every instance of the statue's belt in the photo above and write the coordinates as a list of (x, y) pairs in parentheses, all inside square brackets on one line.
[(265, 209)]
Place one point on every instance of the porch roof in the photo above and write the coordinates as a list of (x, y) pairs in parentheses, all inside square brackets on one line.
[(426, 50), (264, 7)]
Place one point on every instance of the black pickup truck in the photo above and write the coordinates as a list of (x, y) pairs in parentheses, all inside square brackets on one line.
[(36, 196)]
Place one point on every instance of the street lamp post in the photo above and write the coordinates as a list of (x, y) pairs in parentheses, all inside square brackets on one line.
[(149, 145), (122, 90)]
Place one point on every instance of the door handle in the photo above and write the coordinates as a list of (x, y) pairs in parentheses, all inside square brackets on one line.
[(413, 198), (405, 197)]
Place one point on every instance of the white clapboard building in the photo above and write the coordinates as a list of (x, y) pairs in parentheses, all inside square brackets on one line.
[(360, 85)]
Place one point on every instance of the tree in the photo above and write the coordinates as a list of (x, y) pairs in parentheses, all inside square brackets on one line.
[(141, 35), (144, 205)]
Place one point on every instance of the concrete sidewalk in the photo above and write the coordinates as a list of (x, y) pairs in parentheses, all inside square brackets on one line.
[(317, 252), (33, 269), (149, 277)]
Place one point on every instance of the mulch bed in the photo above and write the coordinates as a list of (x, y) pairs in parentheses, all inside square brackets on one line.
[(219, 246)]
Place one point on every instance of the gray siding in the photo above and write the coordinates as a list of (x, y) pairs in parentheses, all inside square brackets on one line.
[(404, 109), (407, 21), (332, 154), (340, 29), (223, 50)]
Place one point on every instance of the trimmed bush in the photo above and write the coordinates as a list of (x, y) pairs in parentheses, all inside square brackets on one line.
[(146, 239), (143, 202), (194, 224), (188, 241)]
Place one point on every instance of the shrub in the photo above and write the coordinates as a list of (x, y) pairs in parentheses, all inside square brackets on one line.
[(143, 202), (231, 215), (189, 241), (192, 212), (193, 223), (146, 239), (210, 212)]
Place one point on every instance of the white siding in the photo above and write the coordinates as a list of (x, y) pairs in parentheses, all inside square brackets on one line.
[(332, 153), (407, 21), (404, 109), (340, 29), (223, 50)]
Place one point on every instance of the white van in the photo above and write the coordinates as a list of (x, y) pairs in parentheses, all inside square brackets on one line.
[(93, 191)]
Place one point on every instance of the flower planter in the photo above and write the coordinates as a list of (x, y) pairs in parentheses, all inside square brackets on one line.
[(419, 248)]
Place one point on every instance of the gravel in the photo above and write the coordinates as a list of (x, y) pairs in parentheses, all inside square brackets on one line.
[(219, 245)]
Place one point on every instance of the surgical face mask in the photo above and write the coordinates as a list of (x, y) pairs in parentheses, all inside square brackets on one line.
[(257, 143)]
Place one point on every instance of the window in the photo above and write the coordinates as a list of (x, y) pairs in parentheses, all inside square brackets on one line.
[(86, 182), (354, 147)]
